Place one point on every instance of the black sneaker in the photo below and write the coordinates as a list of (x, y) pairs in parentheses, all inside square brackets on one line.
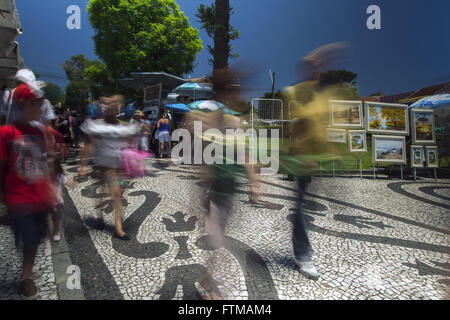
[(28, 290)]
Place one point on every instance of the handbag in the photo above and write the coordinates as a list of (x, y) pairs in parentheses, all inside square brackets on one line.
[(134, 162)]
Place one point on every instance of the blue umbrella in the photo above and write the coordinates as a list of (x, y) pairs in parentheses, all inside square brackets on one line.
[(211, 105), (441, 105), (193, 86), (206, 105), (178, 107), (436, 101)]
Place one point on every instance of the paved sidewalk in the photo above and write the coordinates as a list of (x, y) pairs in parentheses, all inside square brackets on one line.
[(381, 239)]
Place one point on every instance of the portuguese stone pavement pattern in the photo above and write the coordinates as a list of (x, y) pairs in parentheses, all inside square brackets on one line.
[(372, 239)]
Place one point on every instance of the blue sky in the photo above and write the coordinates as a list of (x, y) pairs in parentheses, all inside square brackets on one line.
[(409, 52)]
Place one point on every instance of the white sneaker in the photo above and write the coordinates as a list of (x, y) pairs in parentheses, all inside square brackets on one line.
[(57, 238), (308, 269)]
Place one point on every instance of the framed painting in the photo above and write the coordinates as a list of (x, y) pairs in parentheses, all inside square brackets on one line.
[(386, 118), (357, 140), (388, 149), (422, 126), (417, 157), (337, 135), (432, 157), (346, 114)]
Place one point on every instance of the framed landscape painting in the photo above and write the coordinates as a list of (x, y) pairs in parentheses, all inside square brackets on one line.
[(432, 157), (388, 149), (337, 135), (346, 114), (387, 118), (417, 157), (422, 126), (357, 140)]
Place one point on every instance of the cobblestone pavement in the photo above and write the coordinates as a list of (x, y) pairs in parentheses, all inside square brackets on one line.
[(382, 239)]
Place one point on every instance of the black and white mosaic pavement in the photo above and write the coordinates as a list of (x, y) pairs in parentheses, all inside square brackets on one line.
[(381, 239)]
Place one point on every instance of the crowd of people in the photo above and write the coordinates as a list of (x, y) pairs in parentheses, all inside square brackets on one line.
[(35, 140)]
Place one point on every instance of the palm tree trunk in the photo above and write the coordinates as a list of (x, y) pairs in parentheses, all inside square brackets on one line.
[(221, 44)]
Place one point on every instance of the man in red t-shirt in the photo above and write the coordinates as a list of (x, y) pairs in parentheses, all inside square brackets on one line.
[(24, 179)]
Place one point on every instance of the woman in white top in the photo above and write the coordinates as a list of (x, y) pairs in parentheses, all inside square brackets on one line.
[(108, 138)]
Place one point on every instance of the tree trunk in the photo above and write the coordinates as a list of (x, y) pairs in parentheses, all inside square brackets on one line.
[(221, 44)]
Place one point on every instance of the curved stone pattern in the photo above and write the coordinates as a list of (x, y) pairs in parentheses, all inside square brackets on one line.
[(375, 239), (186, 276), (397, 187), (431, 191), (258, 279), (133, 248), (96, 279), (368, 243), (380, 213)]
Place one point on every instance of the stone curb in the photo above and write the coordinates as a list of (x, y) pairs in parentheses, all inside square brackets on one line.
[(61, 261)]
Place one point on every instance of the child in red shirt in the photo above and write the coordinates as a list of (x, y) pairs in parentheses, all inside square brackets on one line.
[(24, 179)]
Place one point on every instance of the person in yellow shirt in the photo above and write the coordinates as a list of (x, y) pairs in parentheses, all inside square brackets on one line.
[(309, 143)]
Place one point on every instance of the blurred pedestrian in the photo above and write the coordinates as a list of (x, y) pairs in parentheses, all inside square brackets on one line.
[(309, 143), (142, 140), (25, 185), (65, 125), (106, 140), (221, 179), (58, 180), (5, 96)]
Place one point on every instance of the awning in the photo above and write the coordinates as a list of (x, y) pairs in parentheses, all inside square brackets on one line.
[(141, 80)]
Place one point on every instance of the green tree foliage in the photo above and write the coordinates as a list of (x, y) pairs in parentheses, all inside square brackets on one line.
[(342, 78), (53, 93), (75, 68), (77, 91), (221, 32), (143, 35), (88, 79), (100, 80), (77, 95)]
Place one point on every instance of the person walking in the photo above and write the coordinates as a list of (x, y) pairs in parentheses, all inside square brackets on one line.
[(106, 140), (24, 176), (142, 141), (309, 143), (58, 180), (64, 125)]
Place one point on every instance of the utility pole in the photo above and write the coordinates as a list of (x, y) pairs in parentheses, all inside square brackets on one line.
[(272, 76)]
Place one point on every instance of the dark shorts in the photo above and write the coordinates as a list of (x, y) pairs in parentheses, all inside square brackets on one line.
[(31, 229)]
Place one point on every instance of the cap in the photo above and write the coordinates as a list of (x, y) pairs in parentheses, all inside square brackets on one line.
[(26, 93)]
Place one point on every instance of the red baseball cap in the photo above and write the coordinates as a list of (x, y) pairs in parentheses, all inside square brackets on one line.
[(26, 93)]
